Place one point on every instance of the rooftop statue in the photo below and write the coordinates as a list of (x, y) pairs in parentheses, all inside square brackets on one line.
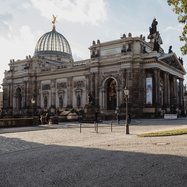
[(154, 36), (54, 20), (157, 41), (170, 49), (153, 28)]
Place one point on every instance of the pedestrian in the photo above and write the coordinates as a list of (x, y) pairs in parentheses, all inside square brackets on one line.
[(47, 117), (118, 117), (129, 119), (96, 116), (42, 118)]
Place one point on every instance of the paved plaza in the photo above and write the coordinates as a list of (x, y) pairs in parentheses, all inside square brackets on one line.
[(59, 155)]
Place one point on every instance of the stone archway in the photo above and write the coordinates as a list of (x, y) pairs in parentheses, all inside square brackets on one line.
[(111, 94)]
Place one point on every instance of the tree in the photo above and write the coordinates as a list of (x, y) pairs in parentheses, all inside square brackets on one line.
[(180, 8)]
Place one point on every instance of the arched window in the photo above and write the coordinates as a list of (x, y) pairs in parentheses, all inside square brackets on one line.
[(111, 94)]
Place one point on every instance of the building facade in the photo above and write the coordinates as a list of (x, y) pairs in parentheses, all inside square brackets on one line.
[(52, 81)]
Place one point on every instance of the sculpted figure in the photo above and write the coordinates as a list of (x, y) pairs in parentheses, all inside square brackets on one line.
[(153, 29), (154, 25), (54, 20)]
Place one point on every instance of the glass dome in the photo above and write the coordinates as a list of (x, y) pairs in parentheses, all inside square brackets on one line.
[(53, 44)]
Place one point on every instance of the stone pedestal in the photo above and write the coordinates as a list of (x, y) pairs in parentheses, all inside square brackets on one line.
[(89, 113)]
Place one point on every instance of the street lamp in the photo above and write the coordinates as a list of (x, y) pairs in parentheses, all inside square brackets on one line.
[(126, 94)]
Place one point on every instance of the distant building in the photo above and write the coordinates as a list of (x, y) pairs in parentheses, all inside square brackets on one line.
[(51, 80)]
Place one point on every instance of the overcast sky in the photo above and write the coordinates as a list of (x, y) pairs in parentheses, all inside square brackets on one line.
[(23, 22)]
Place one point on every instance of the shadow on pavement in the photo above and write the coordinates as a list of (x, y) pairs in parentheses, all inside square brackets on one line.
[(36, 165)]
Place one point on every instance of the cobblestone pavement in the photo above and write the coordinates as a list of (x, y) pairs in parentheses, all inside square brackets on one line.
[(59, 155)]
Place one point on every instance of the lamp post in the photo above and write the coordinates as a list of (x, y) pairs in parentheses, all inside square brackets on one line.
[(126, 94)]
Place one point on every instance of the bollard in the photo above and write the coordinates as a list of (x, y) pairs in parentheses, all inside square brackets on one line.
[(80, 127), (97, 127)]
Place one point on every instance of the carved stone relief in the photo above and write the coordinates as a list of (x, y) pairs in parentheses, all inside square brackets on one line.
[(79, 84), (61, 85), (46, 87)]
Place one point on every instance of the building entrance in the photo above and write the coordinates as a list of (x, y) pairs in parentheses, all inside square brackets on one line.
[(111, 94)]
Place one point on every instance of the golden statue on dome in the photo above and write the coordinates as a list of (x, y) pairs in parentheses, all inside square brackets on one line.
[(54, 21)]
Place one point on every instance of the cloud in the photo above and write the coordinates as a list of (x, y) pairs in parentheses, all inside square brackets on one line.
[(170, 28), (10, 11), (5, 28), (82, 11), (13, 6), (18, 45)]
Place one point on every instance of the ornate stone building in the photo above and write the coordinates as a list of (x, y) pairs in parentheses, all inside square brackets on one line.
[(52, 80)]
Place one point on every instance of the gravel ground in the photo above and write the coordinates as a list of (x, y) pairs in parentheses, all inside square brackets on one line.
[(59, 155)]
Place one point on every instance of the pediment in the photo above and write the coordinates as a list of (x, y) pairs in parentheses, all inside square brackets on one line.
[(172, 60)]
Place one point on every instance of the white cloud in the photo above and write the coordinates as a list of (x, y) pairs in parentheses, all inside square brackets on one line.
[(80, 52), (82, 11), (171, 28), (18, 46)]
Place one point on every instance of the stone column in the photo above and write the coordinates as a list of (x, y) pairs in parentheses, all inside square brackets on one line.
[(69, 91), (158, 89), (124, 78), (11, 96), (39, 92), (104, 99), (96, 89), (53, 93), (168, 90), (101, 99), (165, 88), (120, 88), (87, 88), (175, 94), (25, 94), (181, 95), (142, 88), (117, 97), (156, 85), (29, 90), (93, 85)]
